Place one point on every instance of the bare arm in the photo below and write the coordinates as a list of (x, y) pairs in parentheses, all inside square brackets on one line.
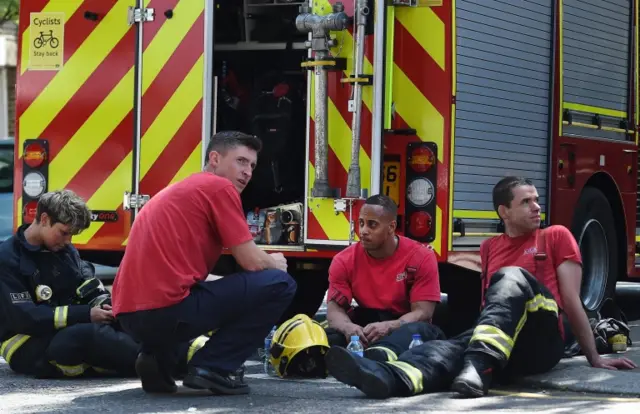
[(420, 312), (252, 258), (337, 316), (569, 281)]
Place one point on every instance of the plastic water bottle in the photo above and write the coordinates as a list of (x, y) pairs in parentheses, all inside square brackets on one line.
[(355, 346), (415, 341), (268, 368)]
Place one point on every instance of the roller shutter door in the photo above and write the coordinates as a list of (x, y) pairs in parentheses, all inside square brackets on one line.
[(596, 52), (502, 97)]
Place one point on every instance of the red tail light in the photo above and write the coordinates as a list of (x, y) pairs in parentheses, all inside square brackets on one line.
[(421, 159), (34, 155), (421, 191), (420, 224), (35, 176)]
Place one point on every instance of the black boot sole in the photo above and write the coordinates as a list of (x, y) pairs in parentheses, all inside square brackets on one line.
[(150, 375), (200, 383), (466, 390), (344, 367)]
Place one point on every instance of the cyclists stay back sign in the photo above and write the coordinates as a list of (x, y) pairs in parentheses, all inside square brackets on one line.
[(46, 41)]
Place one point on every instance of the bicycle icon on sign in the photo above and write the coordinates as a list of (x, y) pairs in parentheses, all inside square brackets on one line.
[(43, 39)]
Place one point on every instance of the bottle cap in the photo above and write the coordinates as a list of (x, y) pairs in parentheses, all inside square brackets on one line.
[(417, 336), (355, 338)]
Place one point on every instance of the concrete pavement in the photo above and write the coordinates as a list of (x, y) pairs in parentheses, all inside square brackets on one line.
[(272, 395), (563, 390), (575, 374)]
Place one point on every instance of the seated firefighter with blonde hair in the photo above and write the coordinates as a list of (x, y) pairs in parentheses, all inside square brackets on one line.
[(55, 315)]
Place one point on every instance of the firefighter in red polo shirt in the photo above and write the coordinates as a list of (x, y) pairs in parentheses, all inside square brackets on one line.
[(393, 279), (531, 283)]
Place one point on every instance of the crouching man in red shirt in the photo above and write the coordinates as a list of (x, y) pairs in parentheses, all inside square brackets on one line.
[(531, 277), (393, 279), (160, 295)]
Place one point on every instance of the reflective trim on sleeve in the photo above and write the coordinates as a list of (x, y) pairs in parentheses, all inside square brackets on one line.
[(11, 345), (88, 286), (60, 317)]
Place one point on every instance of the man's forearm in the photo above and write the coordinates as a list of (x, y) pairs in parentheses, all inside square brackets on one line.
[(337, 316), (414, 316), (581, 329), (263, 261)]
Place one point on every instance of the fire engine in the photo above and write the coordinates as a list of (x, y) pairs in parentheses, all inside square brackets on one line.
[(428, 101)]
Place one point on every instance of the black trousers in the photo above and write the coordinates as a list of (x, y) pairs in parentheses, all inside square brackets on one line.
[(239, 310), (393, 344), (79, 350), (518, 328)]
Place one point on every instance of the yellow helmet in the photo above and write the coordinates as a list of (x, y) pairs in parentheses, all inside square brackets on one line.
[(298, 348)]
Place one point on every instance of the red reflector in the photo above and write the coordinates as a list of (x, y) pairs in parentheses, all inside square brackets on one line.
[(422, 159), (420, 224), (29, 212), (34, 155)]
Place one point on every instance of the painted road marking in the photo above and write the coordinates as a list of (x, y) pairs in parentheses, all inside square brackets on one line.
[(581, 397)]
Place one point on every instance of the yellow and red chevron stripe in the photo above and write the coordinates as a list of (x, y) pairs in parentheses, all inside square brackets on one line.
[(323, 223), (419, 86), (86, 109), (421, 93)]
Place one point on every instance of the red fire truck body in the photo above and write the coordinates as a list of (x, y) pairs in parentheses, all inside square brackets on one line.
[(430, 102)]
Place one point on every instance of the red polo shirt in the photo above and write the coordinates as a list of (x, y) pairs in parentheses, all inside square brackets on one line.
[(391, 284), (560, 245), (176, 240)]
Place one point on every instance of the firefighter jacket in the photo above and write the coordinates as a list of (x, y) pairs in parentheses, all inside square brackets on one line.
[(43, 291)]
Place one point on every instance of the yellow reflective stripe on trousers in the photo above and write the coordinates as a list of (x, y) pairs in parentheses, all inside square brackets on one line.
[(412, 372), (390, 354), (104, 371), (195, 346), (540, 302), (493, 336), (11, 345), (500, 340), (60, 317), (70, 370)]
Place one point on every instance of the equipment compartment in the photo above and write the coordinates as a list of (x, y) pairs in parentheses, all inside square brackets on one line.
[(262, 91)]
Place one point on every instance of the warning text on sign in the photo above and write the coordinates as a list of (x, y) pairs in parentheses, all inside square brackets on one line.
[(46, 41)]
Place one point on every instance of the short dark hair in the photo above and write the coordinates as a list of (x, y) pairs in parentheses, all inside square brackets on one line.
[(503, 191), (223, 141), (388, 205), (66, 207)]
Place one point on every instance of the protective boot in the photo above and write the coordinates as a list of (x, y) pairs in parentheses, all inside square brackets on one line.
[(155, 378), (475, 378), (375, 379)]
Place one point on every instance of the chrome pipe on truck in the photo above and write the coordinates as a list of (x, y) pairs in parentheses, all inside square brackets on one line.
[(355, 104), (320, 44)]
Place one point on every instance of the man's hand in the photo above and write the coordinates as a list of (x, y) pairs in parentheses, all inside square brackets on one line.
[(350, 329), (378, 330), (613, 364), (102, 315), (281, 261)]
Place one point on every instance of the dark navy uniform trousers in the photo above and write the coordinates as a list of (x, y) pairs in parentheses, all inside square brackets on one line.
[(240, 309)]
